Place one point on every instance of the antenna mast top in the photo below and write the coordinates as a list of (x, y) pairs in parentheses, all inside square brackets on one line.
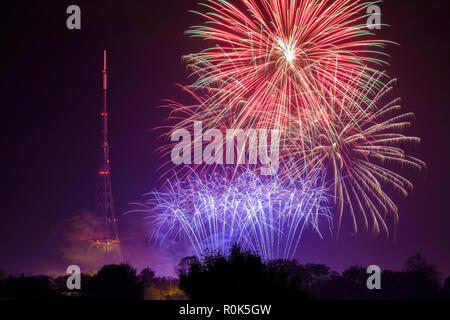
[(104, 60), (105, 80)]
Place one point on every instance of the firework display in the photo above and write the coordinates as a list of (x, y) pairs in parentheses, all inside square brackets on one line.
[(266, 215), (280, 57), (361, 158), (307, 68)]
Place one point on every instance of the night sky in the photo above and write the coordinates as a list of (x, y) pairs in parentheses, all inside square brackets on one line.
[(51, 97)]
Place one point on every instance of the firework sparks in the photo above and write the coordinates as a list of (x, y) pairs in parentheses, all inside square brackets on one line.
[(305, 68), (280, 57), (265, 215), (361, 157)]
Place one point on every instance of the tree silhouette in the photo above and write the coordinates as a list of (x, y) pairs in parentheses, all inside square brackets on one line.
[(421, 278), (315, 274), (28, 288), (446, 289), (147, 276), (116, 282), (240, 276)]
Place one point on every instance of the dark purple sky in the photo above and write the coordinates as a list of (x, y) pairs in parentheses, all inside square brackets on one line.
[(50, 98)]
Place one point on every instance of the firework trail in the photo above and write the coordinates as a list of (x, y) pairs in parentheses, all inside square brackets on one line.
[(277, 57), (285, 65), (307, 69), (266, 215), (361, 158)]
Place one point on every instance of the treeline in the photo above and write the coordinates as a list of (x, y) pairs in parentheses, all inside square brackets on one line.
[(243, 275), (112, 282), (240, 276)]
